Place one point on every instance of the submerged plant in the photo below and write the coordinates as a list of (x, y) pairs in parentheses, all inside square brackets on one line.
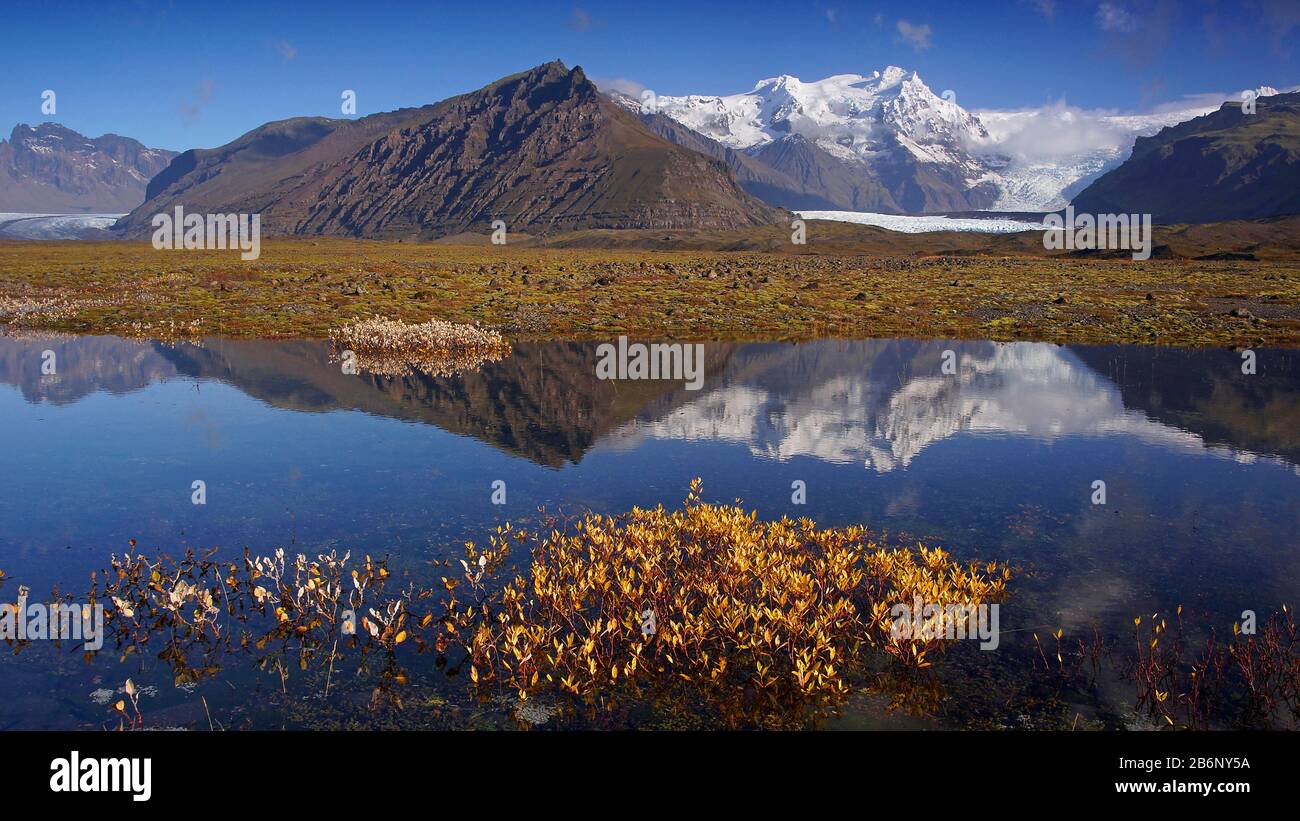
[(706, 607), (1250, 680), (759, 616)]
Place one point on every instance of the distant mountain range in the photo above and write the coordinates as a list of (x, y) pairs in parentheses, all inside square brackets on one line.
[(1226, 165), (885, 142), (547, 153), (542, 150), (48, 168)]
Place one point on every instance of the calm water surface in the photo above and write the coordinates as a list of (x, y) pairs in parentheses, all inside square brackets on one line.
[(995, 462)]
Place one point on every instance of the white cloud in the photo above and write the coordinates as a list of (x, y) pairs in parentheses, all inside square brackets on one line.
[(1212, 99), (1114, 17), (1056, 130), (580, 20), (917, 35), (620, 84), (191, 113), (1060, 130)]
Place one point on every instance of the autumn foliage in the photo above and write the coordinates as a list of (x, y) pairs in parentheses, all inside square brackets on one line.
[(706, 594)]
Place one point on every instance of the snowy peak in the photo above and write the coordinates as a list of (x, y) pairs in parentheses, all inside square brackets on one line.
[(928, 119), (878, 141), (849, 115)]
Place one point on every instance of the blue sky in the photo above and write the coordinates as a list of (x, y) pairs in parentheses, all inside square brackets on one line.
[(187, 74)]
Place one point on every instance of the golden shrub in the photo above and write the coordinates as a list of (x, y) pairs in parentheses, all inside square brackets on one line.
[(703, 607), (781, 608)]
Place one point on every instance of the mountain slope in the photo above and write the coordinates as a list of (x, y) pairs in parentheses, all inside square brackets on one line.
[(798, 184), (48, 168), (1224, 165), (844, 184), (542, 150)]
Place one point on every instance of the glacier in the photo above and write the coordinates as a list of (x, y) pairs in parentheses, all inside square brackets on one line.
[(926, 223)]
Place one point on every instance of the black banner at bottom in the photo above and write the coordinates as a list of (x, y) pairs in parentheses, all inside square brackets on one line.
[(150, 771)]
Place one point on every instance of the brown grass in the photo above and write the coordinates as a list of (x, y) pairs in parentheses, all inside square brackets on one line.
[(304, 288)]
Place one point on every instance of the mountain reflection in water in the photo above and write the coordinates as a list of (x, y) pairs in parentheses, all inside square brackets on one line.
[(877, 402)]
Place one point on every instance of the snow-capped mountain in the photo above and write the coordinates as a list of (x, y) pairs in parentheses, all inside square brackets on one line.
[(916, 145), (850, 115), (906, 149)]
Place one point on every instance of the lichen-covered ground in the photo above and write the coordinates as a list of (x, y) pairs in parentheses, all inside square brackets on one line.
[(305, 287)]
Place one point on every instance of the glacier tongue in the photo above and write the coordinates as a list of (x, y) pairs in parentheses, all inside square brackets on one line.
[(924, 224)]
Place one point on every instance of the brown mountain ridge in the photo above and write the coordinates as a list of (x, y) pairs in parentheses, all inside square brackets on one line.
[(542, 150)]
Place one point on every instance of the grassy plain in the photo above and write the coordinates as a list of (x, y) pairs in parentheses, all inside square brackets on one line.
[(852, 283)]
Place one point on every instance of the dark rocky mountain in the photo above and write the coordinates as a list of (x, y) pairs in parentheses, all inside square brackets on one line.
[(542, 150), (1225, 165), (1213, 399), (840, 186), (48, 168)]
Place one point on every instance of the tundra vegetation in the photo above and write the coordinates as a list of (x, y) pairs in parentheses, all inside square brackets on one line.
[(391, 347), (306, 288)]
